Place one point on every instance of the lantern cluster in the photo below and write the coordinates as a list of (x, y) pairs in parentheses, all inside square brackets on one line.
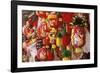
[(51, 36)]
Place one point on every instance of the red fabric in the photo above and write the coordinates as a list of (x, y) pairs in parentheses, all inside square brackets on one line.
[(67, 17)]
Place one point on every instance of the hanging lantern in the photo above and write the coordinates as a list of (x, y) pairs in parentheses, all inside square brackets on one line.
[(78, 31), (65, 40), (44, 54), (78, 36)]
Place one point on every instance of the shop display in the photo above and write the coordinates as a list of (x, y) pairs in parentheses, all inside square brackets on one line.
[(55, 30)]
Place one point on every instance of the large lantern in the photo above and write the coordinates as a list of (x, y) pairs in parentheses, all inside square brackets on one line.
[(78, 31), (78, 34)]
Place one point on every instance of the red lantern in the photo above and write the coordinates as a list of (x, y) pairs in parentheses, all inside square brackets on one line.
[(66, 40), (67, 18), (44, 54), (78, 36)]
